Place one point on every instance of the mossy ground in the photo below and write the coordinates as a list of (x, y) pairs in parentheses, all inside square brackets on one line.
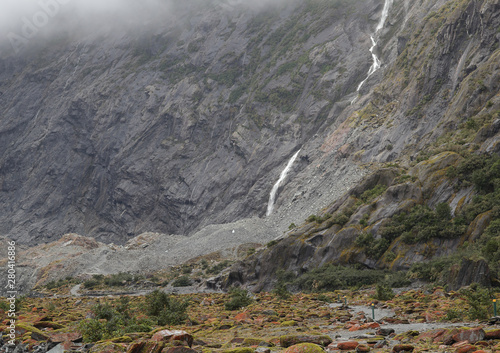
[(216, 329)]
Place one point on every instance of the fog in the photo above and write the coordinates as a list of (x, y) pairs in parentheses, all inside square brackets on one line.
[(23, 20)]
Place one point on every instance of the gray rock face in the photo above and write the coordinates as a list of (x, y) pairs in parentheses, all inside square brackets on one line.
[(172, 127), (178, 126)]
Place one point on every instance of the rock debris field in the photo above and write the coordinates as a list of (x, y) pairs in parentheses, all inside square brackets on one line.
[(413, 321)]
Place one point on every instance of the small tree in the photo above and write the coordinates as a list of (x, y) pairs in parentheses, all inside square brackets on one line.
[(239, 299)]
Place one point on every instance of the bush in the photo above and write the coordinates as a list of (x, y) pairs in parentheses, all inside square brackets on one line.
[(384, 292), (166, 309), (281, 291), (373, 193), (219, 267), (432, 271), (479, 300), (238, 299), (92, 330), (91, 283), (341, 219), (4, 306), (104, 311), (422, 224), (182, 281), (330, 278), (120, 279), (110, 322)]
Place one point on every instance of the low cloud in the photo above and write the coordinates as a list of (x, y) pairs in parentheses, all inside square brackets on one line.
[(21, 21)]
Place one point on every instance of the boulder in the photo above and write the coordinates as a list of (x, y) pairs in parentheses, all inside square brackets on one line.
[(468, 348), (348, 345), (178, 349), (384, 331), (492, 334), (290, 340), (403, 348), (146, 347), (173, 335), (470, 271), (304, 348), (471, 335), (362, 348)]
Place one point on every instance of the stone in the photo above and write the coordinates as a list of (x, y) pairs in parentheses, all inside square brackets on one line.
[(62, 337), (304, 348), (472, 335), (403, 348), (248, 342), (492, 334), (146, 347), (262, 350), (362, 348), (239, 350), (108, 347), (348, 345), (370, 325), (243, 317), (173, 335), (178, 349), (384, 331), (290, 340), (468, 348)]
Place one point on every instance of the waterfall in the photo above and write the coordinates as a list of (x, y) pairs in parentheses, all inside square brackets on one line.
[(376, 61), (272, 196)]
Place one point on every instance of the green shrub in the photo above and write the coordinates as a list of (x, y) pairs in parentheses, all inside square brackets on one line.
[(312, 218), (182, 281), (104, 311), (373, 193), (92, 330), (110, 322), (281, 291), (91, 283), (435, 270), (166, 309), (383, 292), (204, 264), (324, 298), (4, 306), (422, 224), (340, 219), (120, 279), (454, 314), (219, 267), (479, 300), (238, 299)]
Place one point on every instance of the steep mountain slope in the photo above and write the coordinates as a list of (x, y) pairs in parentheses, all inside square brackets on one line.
[(169, 127), (440, 97)]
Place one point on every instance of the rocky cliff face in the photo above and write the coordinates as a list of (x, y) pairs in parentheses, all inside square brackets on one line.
[(172, 127), (439, 96)]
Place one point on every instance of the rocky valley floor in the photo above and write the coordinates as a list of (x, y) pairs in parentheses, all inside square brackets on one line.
[(429, 320)]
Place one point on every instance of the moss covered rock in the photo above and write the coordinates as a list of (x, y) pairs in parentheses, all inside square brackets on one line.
[(304, 348), (290, 340)]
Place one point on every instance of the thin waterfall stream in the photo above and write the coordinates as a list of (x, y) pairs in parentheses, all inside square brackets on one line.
[(274, 191), (376, 61)]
